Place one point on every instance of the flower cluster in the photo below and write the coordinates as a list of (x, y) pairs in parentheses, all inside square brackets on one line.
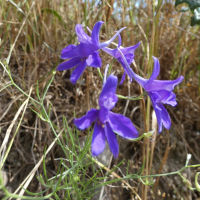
[(107, 123), (85, 53)]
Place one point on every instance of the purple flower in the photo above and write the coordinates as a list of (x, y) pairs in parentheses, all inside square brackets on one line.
[(160, 92), (121, 52), (107, 123), (85, 53)]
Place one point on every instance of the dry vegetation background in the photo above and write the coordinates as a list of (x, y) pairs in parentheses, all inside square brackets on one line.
[(49, 27)]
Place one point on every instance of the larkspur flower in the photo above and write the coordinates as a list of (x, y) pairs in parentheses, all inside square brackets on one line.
[(107, 123), (84, 54), (160, 92), (119, 53)]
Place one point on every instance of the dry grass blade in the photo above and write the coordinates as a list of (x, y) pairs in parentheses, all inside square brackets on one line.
[(21, 28), (28, 179), (5, 141)]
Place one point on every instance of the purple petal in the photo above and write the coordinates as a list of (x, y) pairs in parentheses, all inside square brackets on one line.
[(128, 52), (156, 71), (122, 126), (105, 44), (108, 98), (69, 52), (84, 50), (68, 64), (162, 115), (158, 112), (121, 59), (78, 72), (82, 36), (167, 97), (108, 101), (130, 49), (119, 41), (86, 121), (127, 69), (129, 58), (139, 79), (163, 96), (112, 140), (163, 85), (110, 85), (110, 51), (155, 97), (95, 33), (103, 115), (98, 140), (94, 60), (165, 117), (123, 78)]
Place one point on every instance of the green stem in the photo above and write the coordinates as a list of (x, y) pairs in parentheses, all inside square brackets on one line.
[(98, 69), (131, 98)]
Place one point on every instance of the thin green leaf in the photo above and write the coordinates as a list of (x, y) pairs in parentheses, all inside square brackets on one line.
[(37, 91)]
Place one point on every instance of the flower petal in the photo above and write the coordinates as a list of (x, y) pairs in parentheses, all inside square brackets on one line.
[(78, 71), (94, 60), (95, 33), (105, 44), (155, 97), (86, 121), (82, 36), (123, 78), (156, 71), (110, 51), (122, 126), (68, 64), (84, 50), (128, 53), (163, 85), (108, 101), (103, 115), (167, 97), (158, 112), (112, 140), (165, 117), (69, 52), (129, 71), (117, 54), (98, 140), (162, 115), (108, 98), (119, 41)]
